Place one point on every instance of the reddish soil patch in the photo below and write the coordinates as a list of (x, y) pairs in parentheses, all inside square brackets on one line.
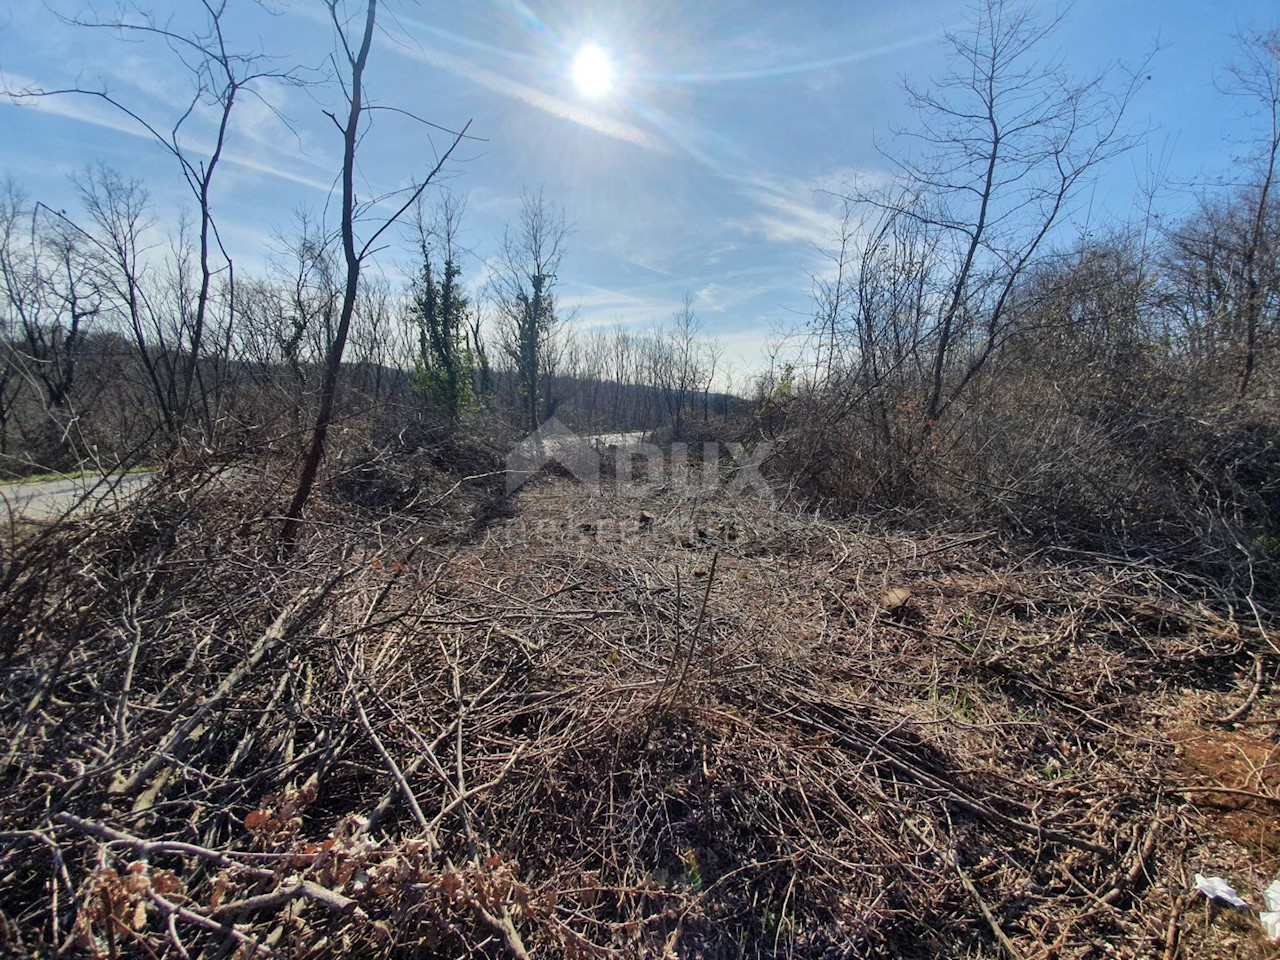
[(1241, 776)]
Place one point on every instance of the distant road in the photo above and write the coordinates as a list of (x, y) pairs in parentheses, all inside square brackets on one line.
[(617, 439), (52, 499)]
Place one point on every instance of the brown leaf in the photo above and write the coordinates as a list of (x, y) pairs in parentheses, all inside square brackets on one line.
[(218, 892), (136, 880), (896, 598), (165, 881)]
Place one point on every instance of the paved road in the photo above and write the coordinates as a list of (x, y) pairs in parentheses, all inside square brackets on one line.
[(53, 499), (617, 439)]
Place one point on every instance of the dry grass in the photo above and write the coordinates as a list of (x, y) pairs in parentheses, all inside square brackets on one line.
[(590, 725)]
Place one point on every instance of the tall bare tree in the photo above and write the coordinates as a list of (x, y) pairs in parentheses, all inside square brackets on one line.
[(119, 221), (1006, 141), (221, 77), (50, 293), (350, 62), (677, 364), (1256, 78)]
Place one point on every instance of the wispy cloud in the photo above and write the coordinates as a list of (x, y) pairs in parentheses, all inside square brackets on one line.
[(737, 290), (83, 108), (801, 211), (791, 212), (599, 306), (532, 96), (801, 66)]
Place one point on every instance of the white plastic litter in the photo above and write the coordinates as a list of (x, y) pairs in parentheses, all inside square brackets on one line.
[(1271, 916), (1271, 923), (1216, 887)]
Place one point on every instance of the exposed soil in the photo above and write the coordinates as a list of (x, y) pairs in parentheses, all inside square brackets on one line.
[(1241, 773)]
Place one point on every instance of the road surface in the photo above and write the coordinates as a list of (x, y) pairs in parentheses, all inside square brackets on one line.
[(54, 499)]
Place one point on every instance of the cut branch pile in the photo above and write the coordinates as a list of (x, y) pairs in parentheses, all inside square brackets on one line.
[(597, 726)]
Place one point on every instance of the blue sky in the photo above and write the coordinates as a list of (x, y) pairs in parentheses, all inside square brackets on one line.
[(701, 172)]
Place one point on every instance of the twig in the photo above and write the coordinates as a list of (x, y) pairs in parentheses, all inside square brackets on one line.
[(393, 768), (226, 929), (151, 848), (1006, 944), (302, 889), (273, 637), (1242, 711)]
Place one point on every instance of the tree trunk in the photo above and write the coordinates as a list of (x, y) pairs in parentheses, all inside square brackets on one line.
[(333, 361)]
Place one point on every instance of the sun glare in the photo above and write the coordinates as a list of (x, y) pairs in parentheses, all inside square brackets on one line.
[(592, 71)]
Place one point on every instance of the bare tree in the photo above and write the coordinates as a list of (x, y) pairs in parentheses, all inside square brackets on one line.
[(351, 61), (221, 77), (118, 215), (1257, 79), (1220, 289), (713, 365), (622, 371), (1221, 265), (12, 209), (286, 321), (51, 290), (1007, 139), (676, 363)]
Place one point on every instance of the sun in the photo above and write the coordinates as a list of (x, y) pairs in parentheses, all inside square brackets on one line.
[(592, 71)]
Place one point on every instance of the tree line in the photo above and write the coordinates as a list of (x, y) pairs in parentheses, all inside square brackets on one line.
[(99, 324)]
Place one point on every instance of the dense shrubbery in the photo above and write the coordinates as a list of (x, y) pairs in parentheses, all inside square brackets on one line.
[(1117, 390)]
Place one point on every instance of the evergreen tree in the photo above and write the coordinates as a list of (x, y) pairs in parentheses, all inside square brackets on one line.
[(444, 373)]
